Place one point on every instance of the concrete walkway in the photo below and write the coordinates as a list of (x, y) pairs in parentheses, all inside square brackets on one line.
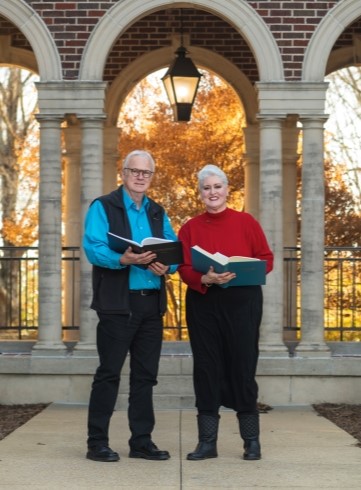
[(300, 450)]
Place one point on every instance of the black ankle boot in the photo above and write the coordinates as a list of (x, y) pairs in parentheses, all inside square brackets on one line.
[(249, 430), (207, 436)]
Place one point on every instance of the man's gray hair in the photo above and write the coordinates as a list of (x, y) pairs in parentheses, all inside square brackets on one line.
[(210, 170), (139, 153)]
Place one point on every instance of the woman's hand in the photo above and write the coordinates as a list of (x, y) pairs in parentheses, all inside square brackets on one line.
[(213, 278)]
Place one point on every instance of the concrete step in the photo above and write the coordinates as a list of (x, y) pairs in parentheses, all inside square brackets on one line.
[(161, 402), (174, 389)]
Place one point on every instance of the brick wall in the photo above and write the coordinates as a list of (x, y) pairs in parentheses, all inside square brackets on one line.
[(291, 22)]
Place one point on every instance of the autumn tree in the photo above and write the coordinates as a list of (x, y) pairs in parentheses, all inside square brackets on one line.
[(342, 221), (214, 135), (18, 177), (343, 128), (18, 157)]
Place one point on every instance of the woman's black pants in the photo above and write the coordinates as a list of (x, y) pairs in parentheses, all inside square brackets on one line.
[(224, 328)]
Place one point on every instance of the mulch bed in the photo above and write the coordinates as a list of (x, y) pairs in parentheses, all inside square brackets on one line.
[(347, 417), (14, 416)]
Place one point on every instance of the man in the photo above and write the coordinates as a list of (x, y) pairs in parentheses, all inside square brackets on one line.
[(129, 297)]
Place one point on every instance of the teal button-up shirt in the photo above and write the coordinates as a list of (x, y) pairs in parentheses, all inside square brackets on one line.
[(95, 242)]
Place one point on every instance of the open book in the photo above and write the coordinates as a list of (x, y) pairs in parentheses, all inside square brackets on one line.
[(250, 271), (168, 252)]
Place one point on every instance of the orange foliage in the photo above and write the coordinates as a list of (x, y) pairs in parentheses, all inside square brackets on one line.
[(22, 231), (181, 149), (21, 227)]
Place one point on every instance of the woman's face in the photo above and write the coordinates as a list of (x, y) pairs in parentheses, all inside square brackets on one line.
[(214, 194)]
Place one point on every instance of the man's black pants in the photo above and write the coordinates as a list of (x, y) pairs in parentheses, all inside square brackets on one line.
[(140, 334)]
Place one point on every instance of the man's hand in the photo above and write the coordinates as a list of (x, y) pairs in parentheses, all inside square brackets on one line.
[(158, 268), (130, 258)]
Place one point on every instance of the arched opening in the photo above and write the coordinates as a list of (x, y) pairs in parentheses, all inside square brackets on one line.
[(19, 156), (342, 203), (213, 135)]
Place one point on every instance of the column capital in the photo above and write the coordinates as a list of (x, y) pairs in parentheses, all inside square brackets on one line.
[(93, 121), (91, 117), (311, 118), (45, 116), (71, 97), (291, 97), (269, 116)]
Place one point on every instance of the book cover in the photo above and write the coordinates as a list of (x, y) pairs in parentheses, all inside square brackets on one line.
[(250, 271), (168, 252)]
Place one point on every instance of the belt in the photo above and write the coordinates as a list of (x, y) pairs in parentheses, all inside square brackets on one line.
[(144, 292)]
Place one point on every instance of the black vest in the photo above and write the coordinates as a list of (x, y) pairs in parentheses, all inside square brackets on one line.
[(111, 286)]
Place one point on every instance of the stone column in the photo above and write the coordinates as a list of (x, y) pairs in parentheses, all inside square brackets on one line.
[(50, 247), (91, 187), (111, 157), (271, 201), (290, 156), (251, 170), (312, 241), (72, 136)]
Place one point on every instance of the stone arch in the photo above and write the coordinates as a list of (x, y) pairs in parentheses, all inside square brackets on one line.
[(35, 30), (239, 14), (325, 36), (149, 63)]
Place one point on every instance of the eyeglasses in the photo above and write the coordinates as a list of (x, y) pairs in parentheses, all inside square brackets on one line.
[(136, 172)]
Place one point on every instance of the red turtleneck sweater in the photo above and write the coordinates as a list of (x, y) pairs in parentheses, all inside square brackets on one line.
[(229, 232)]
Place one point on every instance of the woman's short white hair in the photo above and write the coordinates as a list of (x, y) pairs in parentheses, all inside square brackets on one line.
[(139, 153), (210, 170)]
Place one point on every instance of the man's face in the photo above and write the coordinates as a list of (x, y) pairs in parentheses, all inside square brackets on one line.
[(138, 182)]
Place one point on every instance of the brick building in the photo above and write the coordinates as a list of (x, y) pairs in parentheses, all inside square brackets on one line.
[(274, 53)]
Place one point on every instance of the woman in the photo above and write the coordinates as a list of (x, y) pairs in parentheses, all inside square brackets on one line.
[(223, 322)]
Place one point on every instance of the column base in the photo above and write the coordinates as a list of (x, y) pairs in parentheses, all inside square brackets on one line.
[(85, 349), (273, 350), (48, 348), (312, 349)]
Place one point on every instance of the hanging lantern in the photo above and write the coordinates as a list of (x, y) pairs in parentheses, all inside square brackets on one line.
[(181, 83)]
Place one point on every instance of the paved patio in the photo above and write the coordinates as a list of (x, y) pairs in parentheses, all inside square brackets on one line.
[(300, 450)]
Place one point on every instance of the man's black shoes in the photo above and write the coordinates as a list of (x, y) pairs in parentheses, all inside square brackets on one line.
[(107, 455), (102, 453), (150, 451)]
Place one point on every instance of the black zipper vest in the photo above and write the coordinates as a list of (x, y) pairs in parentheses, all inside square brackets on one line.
[(111, 286)]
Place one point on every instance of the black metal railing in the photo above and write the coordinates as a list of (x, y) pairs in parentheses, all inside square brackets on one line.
[(19, 270)]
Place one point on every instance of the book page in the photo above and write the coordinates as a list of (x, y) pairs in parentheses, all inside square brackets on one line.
[(223, 259), (153, 241), (145, 241), (240, 258)]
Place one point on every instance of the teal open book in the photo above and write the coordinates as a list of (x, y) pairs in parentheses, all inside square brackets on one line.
[(168, 252), (249, 271)]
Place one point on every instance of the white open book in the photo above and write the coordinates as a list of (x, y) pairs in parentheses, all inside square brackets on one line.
[(168, 252)]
